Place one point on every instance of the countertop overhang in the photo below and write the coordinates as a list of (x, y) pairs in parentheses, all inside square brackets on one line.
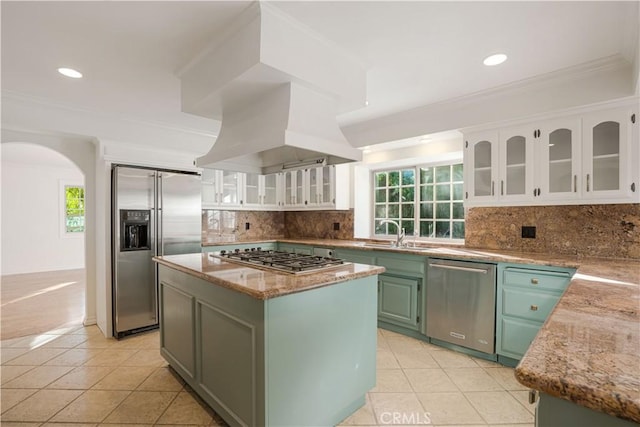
[(258, 283), (588, 350)]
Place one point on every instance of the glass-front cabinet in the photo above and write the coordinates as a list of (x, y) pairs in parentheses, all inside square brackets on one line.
[(222, 188), (481, 157), (516, 164), (294, 182), (261, 191), (607, 147), (589, 157), (321, 186), (559, 157)]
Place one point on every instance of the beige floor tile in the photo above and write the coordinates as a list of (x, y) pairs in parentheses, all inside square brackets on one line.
[(92, 330), (98, 341), (92, 406), (9, 353), (162, 379), (386, 405), (18, 424), (38, 377), (143, 357), (385, 359), (391, 380), (449, 408), (186, 409), (390, 334), (81, 378), (10, 397), (40, 406), (51, 424), (486, 363), (451, 359), (499, 407), (506, 378), (473, 379), (142, 407), (110, 357), (7, 373), (74, 357), (126, 378), (430, 380), (34, 341), (36, 356), (362, 417), (522, 396), (66, 341), (418, 357)]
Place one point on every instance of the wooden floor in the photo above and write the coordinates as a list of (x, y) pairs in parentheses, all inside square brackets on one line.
[(40, 302)]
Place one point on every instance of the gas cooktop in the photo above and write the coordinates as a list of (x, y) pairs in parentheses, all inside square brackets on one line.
[(278, 260)]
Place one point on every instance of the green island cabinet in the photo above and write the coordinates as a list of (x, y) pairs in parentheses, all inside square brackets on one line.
[(399, 287), (526, 295), (306, 358)]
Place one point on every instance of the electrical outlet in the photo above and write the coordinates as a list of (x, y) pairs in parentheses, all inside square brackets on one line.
[(528, 232), (247, 225), (336, 226)]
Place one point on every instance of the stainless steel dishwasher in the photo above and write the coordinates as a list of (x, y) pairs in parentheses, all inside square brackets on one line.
[(461, 303)]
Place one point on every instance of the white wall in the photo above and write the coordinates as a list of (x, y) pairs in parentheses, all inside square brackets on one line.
[(33, 239)]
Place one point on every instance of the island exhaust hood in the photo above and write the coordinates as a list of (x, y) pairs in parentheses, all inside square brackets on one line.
[(277, 87), (289, 127)]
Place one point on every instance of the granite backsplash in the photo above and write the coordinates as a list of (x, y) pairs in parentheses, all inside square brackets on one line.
[(224, 226), (586, 230)]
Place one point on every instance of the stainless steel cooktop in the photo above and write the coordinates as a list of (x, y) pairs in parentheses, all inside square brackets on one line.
[(280, 261)]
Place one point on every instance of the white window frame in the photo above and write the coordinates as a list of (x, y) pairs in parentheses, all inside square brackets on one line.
[(416, 167), (63, 210)]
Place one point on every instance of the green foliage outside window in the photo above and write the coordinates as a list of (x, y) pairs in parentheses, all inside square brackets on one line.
[(74, 209), (426, 199)]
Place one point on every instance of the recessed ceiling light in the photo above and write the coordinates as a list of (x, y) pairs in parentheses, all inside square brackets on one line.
[(70, 72), (496, 59)]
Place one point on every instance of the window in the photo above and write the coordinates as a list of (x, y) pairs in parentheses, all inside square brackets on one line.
[(74, 209), (423, 199)]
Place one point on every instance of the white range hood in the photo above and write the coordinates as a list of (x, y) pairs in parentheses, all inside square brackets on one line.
[(277, 87)]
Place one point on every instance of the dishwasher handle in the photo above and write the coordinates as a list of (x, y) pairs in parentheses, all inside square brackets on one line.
[(454, 267)]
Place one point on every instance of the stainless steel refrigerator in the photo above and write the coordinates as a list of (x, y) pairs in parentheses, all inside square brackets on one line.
[(155, 212)]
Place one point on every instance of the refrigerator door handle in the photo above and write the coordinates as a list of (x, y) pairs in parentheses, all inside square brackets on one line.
[(160, 215)]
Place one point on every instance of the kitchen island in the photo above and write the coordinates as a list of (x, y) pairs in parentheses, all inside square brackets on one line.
[(267, 348)]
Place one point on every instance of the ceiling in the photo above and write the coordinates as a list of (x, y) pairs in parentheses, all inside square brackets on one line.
[(416, 54)]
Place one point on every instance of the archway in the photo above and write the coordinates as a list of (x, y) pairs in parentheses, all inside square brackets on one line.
[(43, 243)]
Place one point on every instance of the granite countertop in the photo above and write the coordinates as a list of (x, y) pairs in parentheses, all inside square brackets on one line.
[(258, 283), (588, 350)]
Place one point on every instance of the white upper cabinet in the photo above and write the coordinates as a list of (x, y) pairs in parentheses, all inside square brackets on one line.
[(481, 166), (261, 191), (321, 186), (588, 158), (516, 164), (294, 182), (607, 155), (222, 188), (559, 158)]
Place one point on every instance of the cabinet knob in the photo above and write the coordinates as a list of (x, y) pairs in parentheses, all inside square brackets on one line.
[(534, 281), (534, 307)]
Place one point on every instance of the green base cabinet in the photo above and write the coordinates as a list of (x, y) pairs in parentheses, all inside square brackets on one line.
[(398, 300), (526, 295), (301, 359)]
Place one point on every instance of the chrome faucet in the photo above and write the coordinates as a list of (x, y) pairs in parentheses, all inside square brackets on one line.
[(400, 236)]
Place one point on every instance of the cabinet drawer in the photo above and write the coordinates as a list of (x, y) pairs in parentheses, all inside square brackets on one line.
[(537, 279), (528, 305), (402, 266), (516, 337)]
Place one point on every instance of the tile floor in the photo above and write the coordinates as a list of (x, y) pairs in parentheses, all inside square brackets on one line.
[(75, 375)]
